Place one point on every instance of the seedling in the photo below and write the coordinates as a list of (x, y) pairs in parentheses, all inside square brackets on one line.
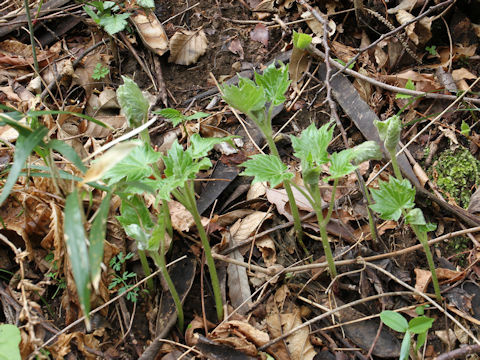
[(396, 198), (116, 263), (409, 86), (432, 50), (257, 101), (100, 71), (107, 16), (419, 326)]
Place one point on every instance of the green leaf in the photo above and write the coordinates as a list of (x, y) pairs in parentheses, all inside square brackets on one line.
[(150, 4), (133, 103), (465, 129), (415, 217), (394, 320), (246, 97), (76, 241), (198, 115), (9, 342), (180, 165), (432, 50), (100, 71), (427, 227), (275, 82), (266, 168), (368, 150), (136, 220), (420, 310), (389, 131), (311, 146), (350, 67), (201, 146), (175, 116), (340, 164), (420, 324), (97, 238), (67, 151), (91, 13), (114, 23), (300, 40), (23, 148), (409, 86), (421, 338), (135, 166), (392, 197), (405, 348)]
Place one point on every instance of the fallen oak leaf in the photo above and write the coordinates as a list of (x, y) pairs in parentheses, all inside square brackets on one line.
[(186, 46)]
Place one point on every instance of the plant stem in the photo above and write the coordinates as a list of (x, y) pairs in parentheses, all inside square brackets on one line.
[(422, 236), (146, 269), (396, 169), (32, 37), (322, 225), (192, 207), (297, 224), (161, 263)]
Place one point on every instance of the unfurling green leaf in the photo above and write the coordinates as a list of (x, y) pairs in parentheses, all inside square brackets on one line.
[(134, 105), (341, 164), (389, 131), (415, 217), (394, 320), (368, 150), (246, 97), (311, 146), (420, 324), (465, 129), (266, 168), (300, 40), (392, 197), (275, 83)]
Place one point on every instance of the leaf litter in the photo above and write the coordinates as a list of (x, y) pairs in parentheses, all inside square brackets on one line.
[(49, 281)]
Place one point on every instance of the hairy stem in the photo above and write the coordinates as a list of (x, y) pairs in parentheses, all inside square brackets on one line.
[(146, 270), (192, 207)]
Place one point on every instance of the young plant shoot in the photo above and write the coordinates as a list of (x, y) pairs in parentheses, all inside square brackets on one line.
[(396, 197), (257, 100)]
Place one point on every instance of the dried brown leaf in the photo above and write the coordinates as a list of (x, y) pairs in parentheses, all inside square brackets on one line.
[(260, 34), (186, 46), (151, 31)]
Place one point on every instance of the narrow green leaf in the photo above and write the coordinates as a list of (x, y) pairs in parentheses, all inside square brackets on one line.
[(394, 320), (392, 197), (97, 238), (67, 151), (9, 342), (76, 241), (420, 324), (405, 348), (133, 103), (275, 82), (23, 148), (246, 97), (266, 168), (300, 40), (421, 338), (34, 113)]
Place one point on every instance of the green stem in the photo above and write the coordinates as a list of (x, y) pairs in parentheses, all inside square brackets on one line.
[(396, 169), (192, 207), (297, 224), (32, 37), (422, 236), (168, 219), (146, 269), (322, 225), (161, 263), (332, 202)]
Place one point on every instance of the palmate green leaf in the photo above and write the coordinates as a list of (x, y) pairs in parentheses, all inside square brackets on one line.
[(180, 165), (76, 241), (394, 320), (392, 197), (175, 116), (341, 164), (114, 23), (420, 324), (97, 238), (135, 166), (275, 83), (23, 148), (368, 150), (247, 97), (9, 342), (266, 168), (311, 146), (133, 103)]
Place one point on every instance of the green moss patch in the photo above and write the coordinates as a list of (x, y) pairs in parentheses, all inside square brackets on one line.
[(456, 172)]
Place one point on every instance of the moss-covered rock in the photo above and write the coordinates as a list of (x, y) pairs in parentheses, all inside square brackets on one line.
[(456, 172)]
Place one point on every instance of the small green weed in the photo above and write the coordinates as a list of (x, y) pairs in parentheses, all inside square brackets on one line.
[(432, 50), (54, 275), (100, 71), (121, 279)]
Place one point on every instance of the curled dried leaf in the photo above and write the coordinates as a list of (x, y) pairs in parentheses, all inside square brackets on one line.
[(187, 46)]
